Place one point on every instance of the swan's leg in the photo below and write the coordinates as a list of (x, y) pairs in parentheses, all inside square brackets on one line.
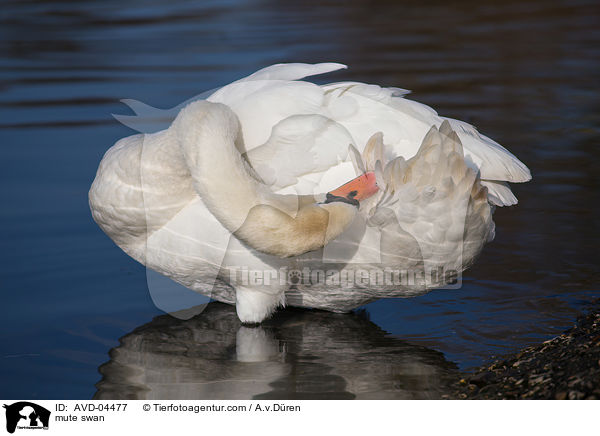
[(255, 344), (254, 306)]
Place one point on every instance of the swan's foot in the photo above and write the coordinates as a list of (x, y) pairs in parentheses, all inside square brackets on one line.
[(254, 306)]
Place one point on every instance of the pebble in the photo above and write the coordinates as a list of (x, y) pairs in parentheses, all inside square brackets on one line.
[(576, 395)]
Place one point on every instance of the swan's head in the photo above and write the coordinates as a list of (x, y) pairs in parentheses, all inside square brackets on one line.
[(277, 230), (356, 190)]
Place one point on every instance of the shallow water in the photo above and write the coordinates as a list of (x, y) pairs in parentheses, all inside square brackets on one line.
[(524, 72)]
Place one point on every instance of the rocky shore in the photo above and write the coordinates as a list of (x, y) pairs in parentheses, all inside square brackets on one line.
[(566, 367)]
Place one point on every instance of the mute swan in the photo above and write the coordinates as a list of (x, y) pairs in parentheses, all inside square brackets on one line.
[(277, 191)]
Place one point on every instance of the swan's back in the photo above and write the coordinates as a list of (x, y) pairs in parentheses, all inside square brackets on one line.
[(269, 98)]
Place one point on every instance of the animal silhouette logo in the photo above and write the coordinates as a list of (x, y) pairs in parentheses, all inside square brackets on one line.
[(26, 415)]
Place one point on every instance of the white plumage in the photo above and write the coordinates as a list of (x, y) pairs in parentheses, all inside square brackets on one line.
[(204, 199)]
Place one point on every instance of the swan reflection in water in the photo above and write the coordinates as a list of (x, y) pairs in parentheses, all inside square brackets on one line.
[(298, 354)]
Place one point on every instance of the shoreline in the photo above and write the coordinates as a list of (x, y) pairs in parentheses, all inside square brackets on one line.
[(564, 367)]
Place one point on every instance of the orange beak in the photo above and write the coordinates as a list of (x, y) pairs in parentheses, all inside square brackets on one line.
[(357, 189)]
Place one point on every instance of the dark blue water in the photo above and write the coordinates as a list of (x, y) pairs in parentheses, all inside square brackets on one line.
[(524, 72)]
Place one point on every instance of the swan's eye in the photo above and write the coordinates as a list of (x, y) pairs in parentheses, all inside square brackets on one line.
[(352, 194)]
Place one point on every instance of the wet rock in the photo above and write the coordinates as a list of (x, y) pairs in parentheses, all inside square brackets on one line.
[(537, 380), (576, 395), (482, 379), (560, 396), (574, 381)]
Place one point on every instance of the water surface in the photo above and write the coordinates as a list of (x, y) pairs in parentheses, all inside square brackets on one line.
[(524, 72)]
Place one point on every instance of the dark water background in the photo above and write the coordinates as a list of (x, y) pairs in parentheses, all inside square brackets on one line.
[(526, 73)]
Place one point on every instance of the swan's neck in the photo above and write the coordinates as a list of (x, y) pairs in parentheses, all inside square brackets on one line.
[(207, 134), (283, 225)]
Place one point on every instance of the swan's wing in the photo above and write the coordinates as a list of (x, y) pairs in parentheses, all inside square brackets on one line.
[(271, 96), (366, 109), (499, 193), (288, 142), (262, 104), (148, 119), (265, 98), (375, 92), (293, 71), (300, 145), (494, 161)]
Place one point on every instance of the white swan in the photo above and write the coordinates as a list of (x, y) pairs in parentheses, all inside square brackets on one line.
[(244, 188)]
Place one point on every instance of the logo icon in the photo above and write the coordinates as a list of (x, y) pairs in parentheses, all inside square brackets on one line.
[(26, 415)]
